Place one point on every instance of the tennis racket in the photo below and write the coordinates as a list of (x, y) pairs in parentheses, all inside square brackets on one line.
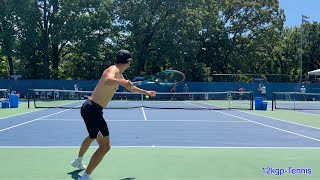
[(164, 78)]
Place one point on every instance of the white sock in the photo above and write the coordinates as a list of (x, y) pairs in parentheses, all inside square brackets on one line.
[(85, 175), (79, 158)]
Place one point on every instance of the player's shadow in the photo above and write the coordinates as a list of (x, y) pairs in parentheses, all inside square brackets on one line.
[(75, 174), (128, 178)]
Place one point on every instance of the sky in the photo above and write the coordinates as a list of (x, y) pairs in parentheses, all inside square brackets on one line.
[(295, 8)]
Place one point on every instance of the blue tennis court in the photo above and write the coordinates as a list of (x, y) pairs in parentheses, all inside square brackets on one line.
[(218, 130), (147, 127)]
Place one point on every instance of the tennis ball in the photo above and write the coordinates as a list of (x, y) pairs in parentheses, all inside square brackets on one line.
[(147, 97)]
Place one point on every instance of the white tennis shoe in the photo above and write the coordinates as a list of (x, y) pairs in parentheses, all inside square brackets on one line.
[(78, 164)]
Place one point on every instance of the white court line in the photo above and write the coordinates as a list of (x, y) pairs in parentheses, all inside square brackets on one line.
[(164, 147), (144, 113), (272, 127), (302, 111), (22, 114), (283, 130), (33, 111), (32, 120), (281, 120), (167, 120), (273, 117)]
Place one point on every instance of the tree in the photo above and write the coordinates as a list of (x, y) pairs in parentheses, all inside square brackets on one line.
[(311, 48), (55, 24), (253, 27), (163, 34), (7, 32)]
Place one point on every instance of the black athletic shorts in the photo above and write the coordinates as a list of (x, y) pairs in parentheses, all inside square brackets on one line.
[(92, 114)]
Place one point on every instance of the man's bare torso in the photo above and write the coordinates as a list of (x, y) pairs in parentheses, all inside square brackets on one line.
[(103, 93)]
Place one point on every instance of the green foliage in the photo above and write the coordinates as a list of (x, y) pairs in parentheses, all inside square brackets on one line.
[(4, 66), (76, 39)]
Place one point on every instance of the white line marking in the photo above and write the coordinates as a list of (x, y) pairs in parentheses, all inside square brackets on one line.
[(308, 112), (178, 147), (283, 130), (144, 113), (32, 120), (212, 105), (281, 120), (21, 114), (166, 120)]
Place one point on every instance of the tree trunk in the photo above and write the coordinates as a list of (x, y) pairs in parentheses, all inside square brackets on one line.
[(55, 60), (55, 42), (46, 70), (11, 70)]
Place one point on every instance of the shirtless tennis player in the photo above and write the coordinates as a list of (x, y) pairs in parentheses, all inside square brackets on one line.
[(91, 111)]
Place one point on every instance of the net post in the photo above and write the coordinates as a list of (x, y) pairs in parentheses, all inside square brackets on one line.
[(294, 101), (54, 98), (229, 100), (251, 99), (28, 98), (34, 100), (273, 98)]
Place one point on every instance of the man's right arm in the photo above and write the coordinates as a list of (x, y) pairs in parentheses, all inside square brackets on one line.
[(110, 77), (111, 80)]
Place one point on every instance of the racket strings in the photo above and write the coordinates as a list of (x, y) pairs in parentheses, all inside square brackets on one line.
[(169, 77)]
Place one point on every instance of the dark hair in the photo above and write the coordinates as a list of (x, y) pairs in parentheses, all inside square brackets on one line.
[(123, 56)]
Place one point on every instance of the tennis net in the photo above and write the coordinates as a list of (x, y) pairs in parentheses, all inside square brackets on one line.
[(295, 101), (53, 98)]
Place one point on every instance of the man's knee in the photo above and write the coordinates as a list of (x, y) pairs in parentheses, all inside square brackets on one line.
[(104, 143), (105, 147)]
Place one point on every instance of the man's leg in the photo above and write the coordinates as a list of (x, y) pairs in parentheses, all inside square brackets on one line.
[(104, 147), (77, 162), (85, 146)]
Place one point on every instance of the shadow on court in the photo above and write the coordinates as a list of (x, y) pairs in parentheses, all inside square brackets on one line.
[(75, 174)]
